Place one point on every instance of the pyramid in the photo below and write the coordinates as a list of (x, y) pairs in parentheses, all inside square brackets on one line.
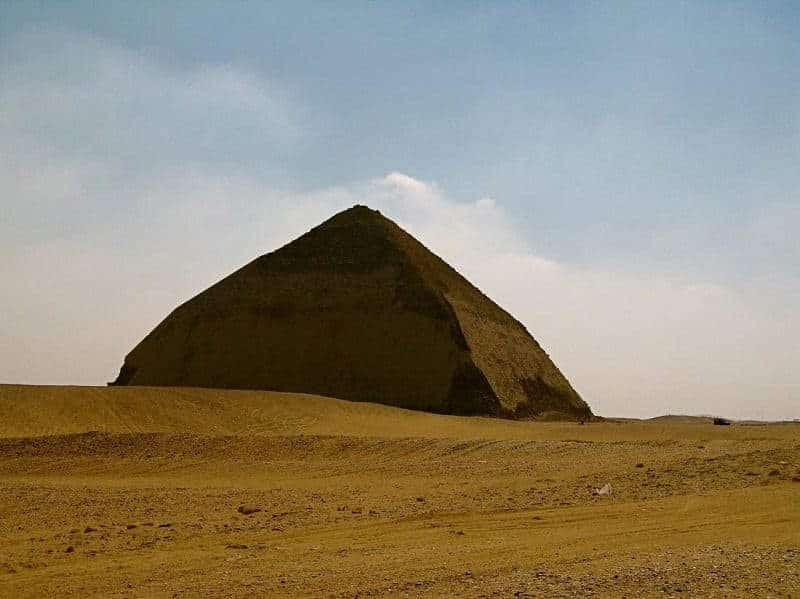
[(356, 309)]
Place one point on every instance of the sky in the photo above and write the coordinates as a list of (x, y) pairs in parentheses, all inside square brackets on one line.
[(621, 176)]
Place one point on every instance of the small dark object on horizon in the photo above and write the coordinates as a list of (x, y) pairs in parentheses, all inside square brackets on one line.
[(722, 422)]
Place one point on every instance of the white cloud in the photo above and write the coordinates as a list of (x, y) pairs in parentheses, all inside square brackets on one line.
[(87, 97), (408, 184)]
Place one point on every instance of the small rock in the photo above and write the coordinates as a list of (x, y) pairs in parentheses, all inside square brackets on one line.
[(774, 472), (796, 479), (640, 465), (421, 499), (604, 490), (89, 529), (236, 546), (248, 508), (69, 549), (130, 526), (165, 525)]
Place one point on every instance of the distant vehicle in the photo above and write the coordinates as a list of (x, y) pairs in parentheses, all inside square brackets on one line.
[(722, 422)]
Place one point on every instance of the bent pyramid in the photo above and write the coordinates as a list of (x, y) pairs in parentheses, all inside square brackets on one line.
[(356, 309)]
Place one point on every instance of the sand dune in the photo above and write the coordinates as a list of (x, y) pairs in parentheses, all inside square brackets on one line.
[(31, 410)]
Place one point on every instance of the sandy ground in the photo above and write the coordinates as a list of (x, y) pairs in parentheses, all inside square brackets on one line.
[(136, 493)]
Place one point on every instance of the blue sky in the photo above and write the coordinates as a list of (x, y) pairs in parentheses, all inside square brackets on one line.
[(622, 176)]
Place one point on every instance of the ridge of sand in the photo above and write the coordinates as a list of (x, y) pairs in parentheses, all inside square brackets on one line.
[(33, 410)]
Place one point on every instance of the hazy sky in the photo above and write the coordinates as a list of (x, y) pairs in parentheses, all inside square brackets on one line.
[(623, 177)]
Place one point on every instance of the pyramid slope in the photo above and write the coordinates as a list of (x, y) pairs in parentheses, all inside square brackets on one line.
[(357, 309), (519, 371)]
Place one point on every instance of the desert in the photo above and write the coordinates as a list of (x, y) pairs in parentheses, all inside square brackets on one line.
[(399, 299), (139, 491)]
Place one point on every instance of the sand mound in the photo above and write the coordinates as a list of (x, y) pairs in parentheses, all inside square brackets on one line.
[(30, 410), (33, 411), (360, 310)]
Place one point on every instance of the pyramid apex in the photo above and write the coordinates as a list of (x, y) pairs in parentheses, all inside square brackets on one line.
[(361, 209), (356, 215)]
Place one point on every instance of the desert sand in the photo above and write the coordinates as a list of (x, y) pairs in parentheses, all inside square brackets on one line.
[(139, 492)]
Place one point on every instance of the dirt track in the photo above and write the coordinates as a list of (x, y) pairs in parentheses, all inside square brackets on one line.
[(370, 500)]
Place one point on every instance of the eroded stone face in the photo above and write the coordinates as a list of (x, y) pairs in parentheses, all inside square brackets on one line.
[(355, 309)]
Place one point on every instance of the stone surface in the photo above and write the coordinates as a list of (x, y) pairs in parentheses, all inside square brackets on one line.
[(356, 309), (248, 508)]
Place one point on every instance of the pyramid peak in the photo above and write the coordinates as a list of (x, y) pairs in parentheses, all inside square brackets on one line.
[(358, 211), (362, 208)]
